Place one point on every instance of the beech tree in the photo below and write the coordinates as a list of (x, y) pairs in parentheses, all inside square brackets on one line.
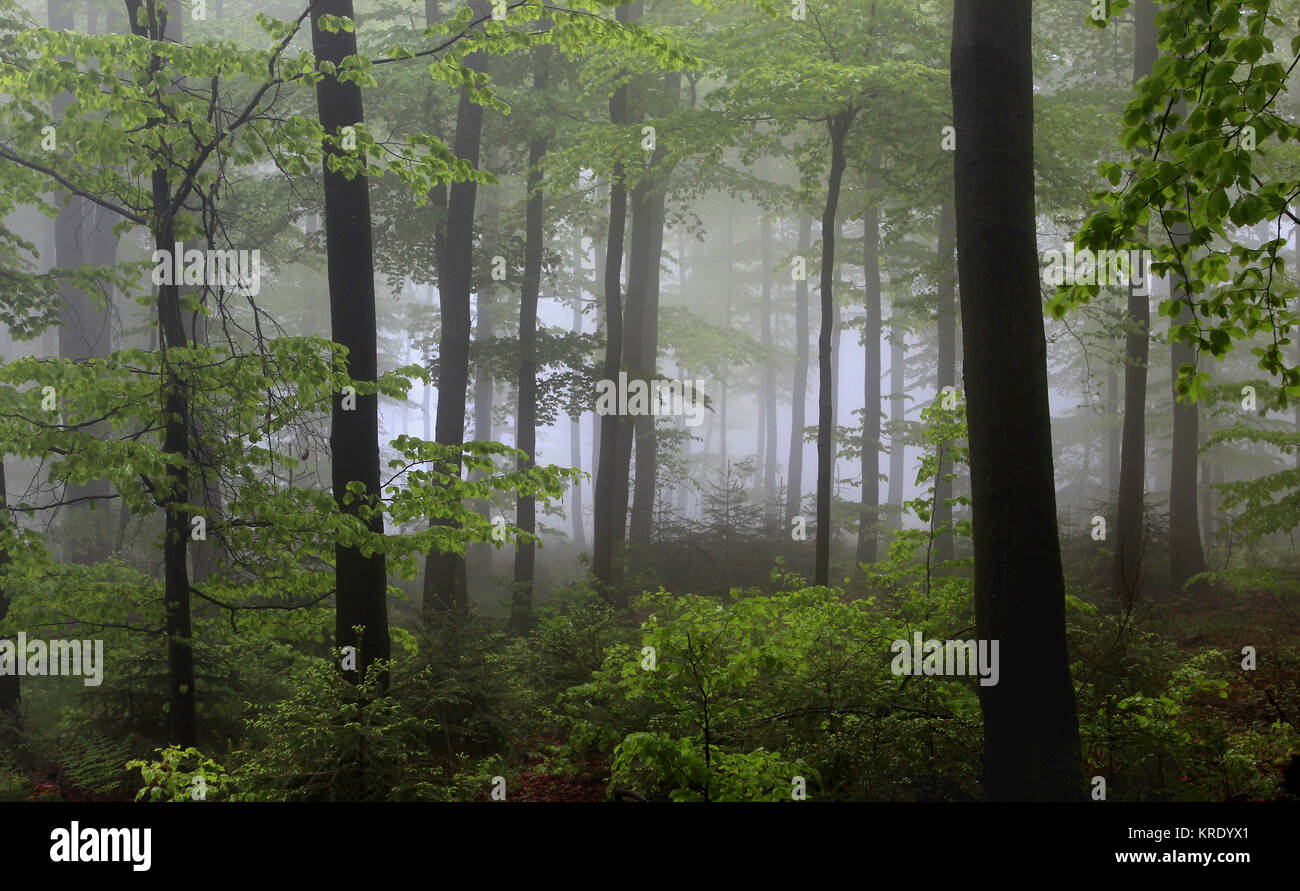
[(1031, 737)]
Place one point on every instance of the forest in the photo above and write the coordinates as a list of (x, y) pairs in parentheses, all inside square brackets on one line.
[(652, 401)]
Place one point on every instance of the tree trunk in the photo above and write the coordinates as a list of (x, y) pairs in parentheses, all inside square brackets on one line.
[(769, 369), (643, 301), (1031, 738), (361, 580), (83, 236), (947, 372), (648, 213), (611, 522), (10, 686), (897, 416), (444, 574), (1207, 501), (799, 392), (1112, 432), (870, 511), (1130, 507), (723, 450), (181, 724), (521, 608), (575, 422), (839, 128), (1186, 555)]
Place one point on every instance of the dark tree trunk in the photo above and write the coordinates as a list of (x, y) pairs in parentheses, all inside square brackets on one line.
[(1031, 738), (643, 299), (444, 574), (361, 580), (181, 725), (598, 249), (870, 512), (611, 521), (646, 267), (1186, 555), (947, 371), (839, 128), (521, 610), (1130, 508), (799, 392)]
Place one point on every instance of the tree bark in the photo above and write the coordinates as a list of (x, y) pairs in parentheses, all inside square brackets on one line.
[(947, 372), (643, 285), (575, 422), (897, 416), (870, 511), (768, 397), (82, 236), (181, 725), (1031, 739), (361, 580), (1112, 432), (444, 575), (611, 522), (799, 391), (1186, 554), (1130, 508), (838, 127), (10, 685), (521, 610)]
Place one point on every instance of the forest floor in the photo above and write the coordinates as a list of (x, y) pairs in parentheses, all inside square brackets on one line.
[(1223, 620), (540, 779)]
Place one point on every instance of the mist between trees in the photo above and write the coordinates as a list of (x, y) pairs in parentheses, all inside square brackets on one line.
[(760, 401)]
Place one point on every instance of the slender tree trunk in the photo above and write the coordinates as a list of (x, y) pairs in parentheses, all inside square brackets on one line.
[(598, 250), (444, 575), (647, 251), (361, 579), (799, 391), (181, 725), (1031, 738), (1207, 501), (479, 554), (768, 397), (521, 611), (947, 372), (1112, 432), (1130, 510), (724, 451), (870, 512), (575, 422), (611, 522), (647, 329), (82, 235), (839, 128), (897, 416), (10, 686), (1186, 554)]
